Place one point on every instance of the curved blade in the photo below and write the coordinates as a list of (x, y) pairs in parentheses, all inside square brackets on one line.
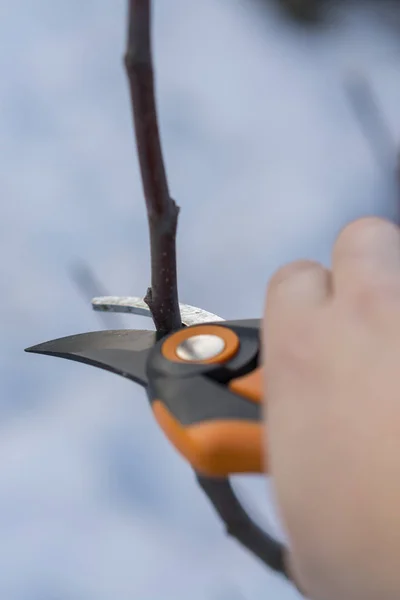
[(191, 315), (250, 323), (123, 352)]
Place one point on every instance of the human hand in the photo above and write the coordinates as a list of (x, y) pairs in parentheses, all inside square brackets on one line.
[(332, 367)]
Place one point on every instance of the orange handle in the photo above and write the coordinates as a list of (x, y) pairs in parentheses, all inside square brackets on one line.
[(215, 448), (210, 409)]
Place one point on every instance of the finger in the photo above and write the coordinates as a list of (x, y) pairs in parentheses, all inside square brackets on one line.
[(294, 294), (366, 253), (297, 287), (293, 571)]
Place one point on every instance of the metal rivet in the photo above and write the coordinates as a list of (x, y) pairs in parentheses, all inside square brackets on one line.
[(200, 347)]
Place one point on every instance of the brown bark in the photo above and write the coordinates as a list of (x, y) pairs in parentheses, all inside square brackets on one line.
[(162, 211)]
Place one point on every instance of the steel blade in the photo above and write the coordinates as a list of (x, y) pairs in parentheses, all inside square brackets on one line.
[(191, 315), (123, 352)]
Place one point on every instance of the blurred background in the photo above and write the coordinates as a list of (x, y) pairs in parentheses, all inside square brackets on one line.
[(267, 154)]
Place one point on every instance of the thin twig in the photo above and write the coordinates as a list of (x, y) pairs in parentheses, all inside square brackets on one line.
[(162, 211), (370, 118), (374, 127), (88, 285)]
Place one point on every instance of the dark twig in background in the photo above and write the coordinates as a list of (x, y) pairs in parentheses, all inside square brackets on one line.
[(374, 127), (302, 11), (369, 115), (89, 286), (162, 211), (83, 277), (319, 12)]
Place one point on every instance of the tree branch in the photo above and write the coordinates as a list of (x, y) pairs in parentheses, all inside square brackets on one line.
[(302, 11), (374, 126), (162, 211), (371, 119)]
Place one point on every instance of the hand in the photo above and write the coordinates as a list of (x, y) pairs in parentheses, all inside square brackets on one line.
[(332, 356)]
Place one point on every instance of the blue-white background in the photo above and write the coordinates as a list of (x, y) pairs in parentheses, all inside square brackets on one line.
[(267, 161)]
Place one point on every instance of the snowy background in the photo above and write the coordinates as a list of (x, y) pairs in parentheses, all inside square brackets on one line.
[(267, 161)]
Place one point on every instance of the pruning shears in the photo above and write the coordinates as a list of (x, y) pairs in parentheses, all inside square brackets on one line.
[(204, 386)]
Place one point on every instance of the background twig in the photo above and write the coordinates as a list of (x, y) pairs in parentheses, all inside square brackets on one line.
[(369, 115), (374, 127), (88, 285), (162, 211)]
